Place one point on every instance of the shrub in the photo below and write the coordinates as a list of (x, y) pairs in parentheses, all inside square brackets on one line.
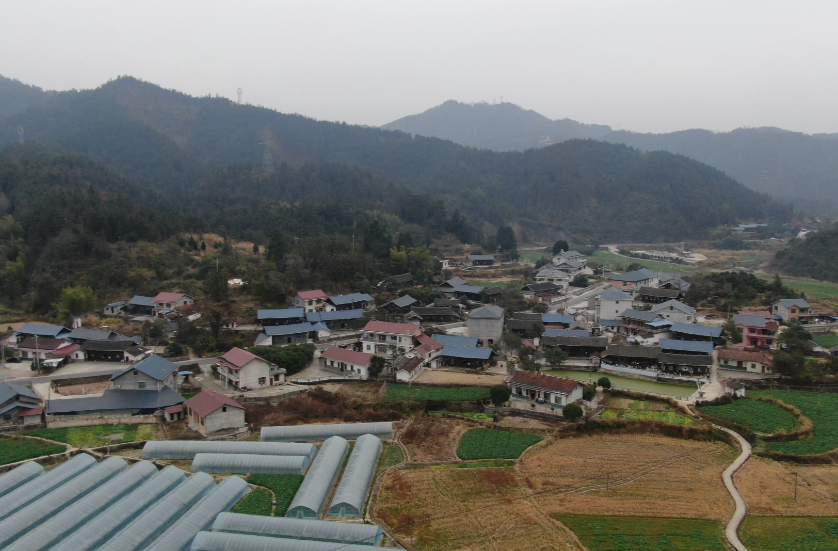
[(604, 382), (500, 394), (573, 412), (588, 393)]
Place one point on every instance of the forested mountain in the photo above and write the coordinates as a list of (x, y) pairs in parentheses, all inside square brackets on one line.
[(207, 151), (814, 256), (501, 127), (788, 165), (18, 97)]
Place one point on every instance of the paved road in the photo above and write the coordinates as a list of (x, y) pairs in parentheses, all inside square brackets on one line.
[(110, 371), (733, 526), (580, 299)]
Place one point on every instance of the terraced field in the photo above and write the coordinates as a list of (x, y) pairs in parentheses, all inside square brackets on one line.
[(762, 417), (821, 408), (645, 534)]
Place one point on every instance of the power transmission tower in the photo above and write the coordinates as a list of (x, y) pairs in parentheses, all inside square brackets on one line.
[(267, 157), (239, 92), (20, 135)]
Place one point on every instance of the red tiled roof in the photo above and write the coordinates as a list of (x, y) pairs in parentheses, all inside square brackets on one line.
[(411, 365), (207, 402), (167, 297), (396, 328), (760, 313), (33, 411), (557, 384), (44, 343), (236, 358), (744, 356), (312, 295), (65, 351), (428, 344), (174, 409), (347, 356)]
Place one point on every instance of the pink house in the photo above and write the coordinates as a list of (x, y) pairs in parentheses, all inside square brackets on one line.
[(311, 301)]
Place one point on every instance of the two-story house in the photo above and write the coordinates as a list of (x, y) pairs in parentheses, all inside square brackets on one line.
[(152, 373), (41, 331), (17, 403), (281, 335), (171, 301), (388, 339), (244, 370), (631, 282), (612, 304), (310, 301), (553, 275), (792, 309), (346, 362), (354, 301), (757, 331), (675, 311)]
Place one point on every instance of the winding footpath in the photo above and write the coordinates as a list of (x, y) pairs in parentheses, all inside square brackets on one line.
[(733, 526)]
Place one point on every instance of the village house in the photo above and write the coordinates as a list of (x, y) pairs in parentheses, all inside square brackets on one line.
[(633, 322), (675, 311), (541, 291), (692, 332), (81, 335), (244, 370), (388, 339), (491, 294), (211, 412), (17, 403), (115, 405), (757, 331), (140, 306), (558, 320), (632, 282), (654, 295), (310, 301), (573, 267), (40, 331), (481, 259), (543, 389), (750, 361), (468, 357), (486, 323), (401, 305), (688, 358), (106, 351), (792, 309), (431, 314), (41, 347), (355, 301), (401, 281), (113, 309), (457, 287), (577, 344), (629, 355), (612, 304), (408, 368), (282, 316), (347, 363), (524, 323), (667, 280), (281, 335), (568, 255), (171, 301), (152, 373), (337, 320), (553, 275)]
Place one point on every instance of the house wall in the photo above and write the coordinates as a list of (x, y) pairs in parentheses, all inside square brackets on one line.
[(372, 344), (549, 396), (675, 316), (344, 368), (405, 376), (748, 366), (298, 338), (613, 309), (252, 371), (489, 330), (220, 420), (131, 379), (308, 305)]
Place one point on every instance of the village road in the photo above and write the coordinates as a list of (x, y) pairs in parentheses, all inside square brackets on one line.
[(733, 526)]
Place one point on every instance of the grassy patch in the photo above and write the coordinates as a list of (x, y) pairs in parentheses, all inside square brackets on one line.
[(788, 533), (416, 393), (14, 450), (96, 435), (257, 502), (646, 534), (483, 443), (812, 287), (503, 284), (392, 455), (618, 263), (821, 408), (826, 340), (760, 416), (468, 415), (647, 415), (284, 486)]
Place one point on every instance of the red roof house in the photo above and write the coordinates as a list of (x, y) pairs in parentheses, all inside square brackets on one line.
[(210, 412), (536, 387), (346, 362), (245, 371)]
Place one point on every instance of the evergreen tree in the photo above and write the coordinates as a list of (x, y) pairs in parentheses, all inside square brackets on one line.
[(560, 246)]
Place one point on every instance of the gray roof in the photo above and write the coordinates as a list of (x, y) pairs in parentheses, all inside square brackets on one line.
[(116, 399), (466, 352), (42, 330), (676, 304), (615, 294), (351, 494), (107, 346), (402, 278), (91, 335), (541, 287), (281, 314), (572, 262), (481, 257), (633, 351), (404, 301), (473, 289), (572, 340), (702, 347), (292, 329), (434, 311), (640, 315), (570, 254), (789, 302), (522, 325), (553, 332), (697, 330), (749, 321), (487, 312), (531, 316), (634, 277), (685, 359), (455, 340), (154, 366), (564, 319), (10, 390), (350, 299), (452, 302), (141, 301), (310, 499), (655, 292), (337, 315)]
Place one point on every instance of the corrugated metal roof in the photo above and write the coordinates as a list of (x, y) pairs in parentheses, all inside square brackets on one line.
[(282, 313), (188, 449), (466, 352), (308, 433), (116, 399), (154, 366), (675, 304), (351, 299), (354, 486), (703, 347), (313, 530), (246, 463), (141, 301), (347, 356), (553, 332), (337, 315), (564, 319), (291, 329), (455, 340), (42, 330), (310, 499), (697, 330)]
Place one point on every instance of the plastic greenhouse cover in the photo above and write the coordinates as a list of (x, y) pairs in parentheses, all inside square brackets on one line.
[(304, 529), (37, 512), (317, 485), (201, 515), (245, 463), (221, 541), (103, 527), (19, 475), (37, 488), (156, 519), (350, 431), (352, 491), (71, 518), (187, 449)]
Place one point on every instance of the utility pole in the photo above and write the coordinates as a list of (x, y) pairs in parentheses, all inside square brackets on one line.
[(795, 486), (37, 356)]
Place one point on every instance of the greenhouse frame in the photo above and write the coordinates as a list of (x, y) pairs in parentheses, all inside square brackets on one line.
[(222, 541), (310, 499), (188, 449), (82, 511), (354, 486), (201, 516), (240, 463), (35, 489), (293, 528), (307, 433), (37, 512), (19, 475)]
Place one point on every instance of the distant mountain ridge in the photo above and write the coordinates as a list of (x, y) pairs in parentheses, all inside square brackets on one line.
[(788, 165)]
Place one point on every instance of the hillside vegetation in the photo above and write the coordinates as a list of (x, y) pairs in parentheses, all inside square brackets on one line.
[(814, 256)]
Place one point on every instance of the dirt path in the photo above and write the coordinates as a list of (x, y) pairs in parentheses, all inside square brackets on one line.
[(733, 526)]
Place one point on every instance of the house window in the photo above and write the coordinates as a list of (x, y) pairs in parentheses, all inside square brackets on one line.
[(141, 384), (7, 417), (289, 340), (223, 409), (262, 380), (753, 366), (794, 310), (369, 347), (135, 372)]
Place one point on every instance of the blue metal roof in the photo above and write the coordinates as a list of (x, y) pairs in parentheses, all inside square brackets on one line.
[(282, 313), (636, 276), (610, 323), (141, 301), (293, 329), (704, 347), (454, 340), (42, 330), (697, 330), (557, 318), (551, 332), (467, 352), (659, 323), (117, 399), (404, 301), (154, 366), (91, 335), (315, 317), (615, 294), (350, 299)]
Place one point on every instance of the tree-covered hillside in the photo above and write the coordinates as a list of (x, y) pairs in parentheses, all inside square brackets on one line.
[(18, 97), (814, 256)]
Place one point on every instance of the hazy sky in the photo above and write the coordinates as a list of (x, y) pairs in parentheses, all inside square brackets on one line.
[(645, 65)]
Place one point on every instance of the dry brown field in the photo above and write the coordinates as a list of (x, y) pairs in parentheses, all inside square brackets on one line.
[(768, 488), (467, 509), (434, 377), (631, 475), (433, 438)]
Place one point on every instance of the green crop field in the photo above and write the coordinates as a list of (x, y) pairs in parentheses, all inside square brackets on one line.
[(416, 393), (618, 263), (284, 486), (790, 533), (821, 408), (14, 450), (760, 416), (812, 287), (482, 443), (392, 455), (468, 415), (97, 435), (257, 502), (646, 534), (647, 415), (826, 340)]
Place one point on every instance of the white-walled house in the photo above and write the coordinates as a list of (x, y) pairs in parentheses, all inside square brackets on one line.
[(612, 304), (171, 301), (244, 370), (534, 387), (346, 362), (310, 301), (211, 412), (675, 311), (389, 339)]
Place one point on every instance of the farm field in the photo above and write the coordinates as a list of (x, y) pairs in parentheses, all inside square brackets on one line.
[(13, 450), (826, 340), (391, 455), (432, 438), (630, 475), (97, 435), (485, 443), (814, 289), (760, 416), (672, 417), (787, 534), (768, 488), (618, 263), (821, 408), (283, 486), (467, 509), (257, 502), (467, 415), (645, 534), (626, 383), (415, 393)]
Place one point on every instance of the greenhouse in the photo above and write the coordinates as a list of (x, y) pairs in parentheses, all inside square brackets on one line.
[(317, 485), (239, 463), (24, 495), (188, 449), (221, 541), (316, 530), (155, 520), (34, 514), (351, 494), (200, 517), (103, 527), (68, 520), (307, 433), (19, 475)]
